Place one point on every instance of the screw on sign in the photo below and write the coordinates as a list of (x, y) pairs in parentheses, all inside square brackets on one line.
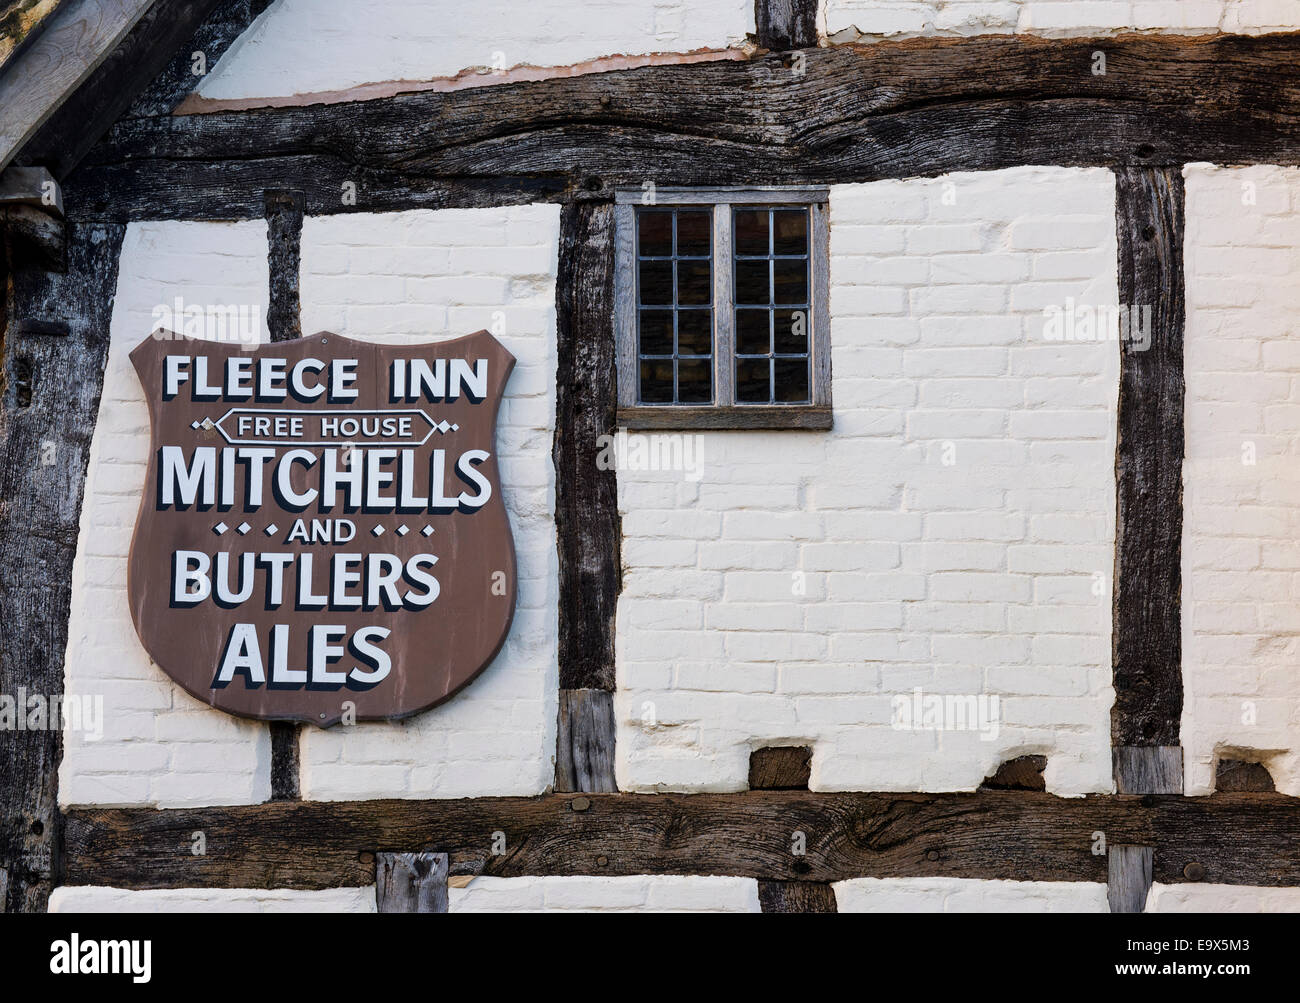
[(322, 523)]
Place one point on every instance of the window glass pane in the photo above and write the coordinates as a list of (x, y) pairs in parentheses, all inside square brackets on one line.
[(694, 282), (752, 282), (656, 332), (657, 381), (656, 282), (694, 232), (695, 332), (791, 381), (790, 279), (790, 231), (654, 234), (771, 306), (751, 231), (790, 332), (752, 332), (695, 381), (752, 381)]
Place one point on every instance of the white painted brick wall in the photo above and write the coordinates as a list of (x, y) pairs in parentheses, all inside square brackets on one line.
[(1207, 898), (1241, 522), (160, 745), (965, 579), (303, 46), (421, 276), (968, 895), (850, 20), (86, 898), (657, 893)]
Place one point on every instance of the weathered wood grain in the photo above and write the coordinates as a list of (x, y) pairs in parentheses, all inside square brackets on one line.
[(853, 113), (1024, 773), (1148, 769), (1245, 839), (33, 186), (780, 768), (284, 323), (796, 896), (786, 24), (127, 68), (754, 417), (226, 22), (587, 524), (584, 754), (75, 41), (788, 767), (1147, 622), (51, 402), (1016, 835), (411, 882), (35, 235), (1129, 877), (1233, 776), (284, 211)]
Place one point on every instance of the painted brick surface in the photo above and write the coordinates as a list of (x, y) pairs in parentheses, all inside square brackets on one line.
[(1205, 898), (83, 898), (850, 20), (968, 895), (159, 745), (954, 532), (302, 46), (657, 893), (1241, 485), (423, 276)]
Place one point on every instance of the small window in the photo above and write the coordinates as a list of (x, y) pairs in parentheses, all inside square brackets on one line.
[(722, 318)]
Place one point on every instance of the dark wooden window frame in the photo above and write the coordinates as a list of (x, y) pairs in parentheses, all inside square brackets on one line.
[(724, 412)]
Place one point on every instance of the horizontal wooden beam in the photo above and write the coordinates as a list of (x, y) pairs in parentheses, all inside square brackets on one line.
[(1250, 839), (837, 114)]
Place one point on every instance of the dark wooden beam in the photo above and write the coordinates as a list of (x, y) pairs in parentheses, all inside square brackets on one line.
[(1246, 839), (1147, 595), (50, 404), (284, 212), (218, 31), (134, 62), (850, 113), (780, 768), (284, 323), (786, 24), (587, 524), (796, 896), (788, 767)]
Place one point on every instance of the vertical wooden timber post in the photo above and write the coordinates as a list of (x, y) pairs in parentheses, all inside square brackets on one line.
[(1147, 621), (55, 344), (788, 768), (786, 24), (284, 211), (411, 882), (1147, 641), (587, 525), (1129, 877)]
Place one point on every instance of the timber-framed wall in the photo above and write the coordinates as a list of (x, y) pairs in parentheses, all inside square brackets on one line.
[(849, 113)]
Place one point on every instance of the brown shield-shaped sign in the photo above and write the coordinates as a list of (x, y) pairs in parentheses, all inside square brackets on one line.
[(322, 532)]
